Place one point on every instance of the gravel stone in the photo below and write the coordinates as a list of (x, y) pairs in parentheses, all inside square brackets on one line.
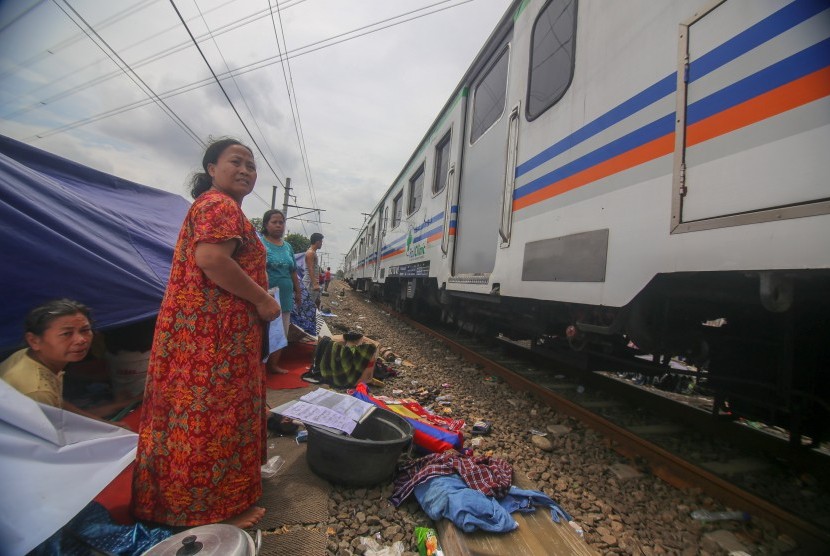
[(641, 515), (542, 442)]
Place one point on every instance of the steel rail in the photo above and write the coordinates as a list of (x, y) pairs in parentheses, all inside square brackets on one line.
[(665, 465)]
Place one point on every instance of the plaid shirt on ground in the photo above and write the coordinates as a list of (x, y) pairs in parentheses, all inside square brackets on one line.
[(492, 476), (341, 365)]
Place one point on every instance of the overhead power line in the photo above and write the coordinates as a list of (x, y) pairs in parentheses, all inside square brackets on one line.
[(239, 89), (103, 24), (300, 51), (295, 107), (224, 92), (134, 77), (18, 17), (52, 50), (132, 74)]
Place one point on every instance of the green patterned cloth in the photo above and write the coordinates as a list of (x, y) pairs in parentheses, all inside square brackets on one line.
[(341, 365)]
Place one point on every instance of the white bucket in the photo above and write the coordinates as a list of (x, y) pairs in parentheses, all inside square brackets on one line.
[(128, 371)]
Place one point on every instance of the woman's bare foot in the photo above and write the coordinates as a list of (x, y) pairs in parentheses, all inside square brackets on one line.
[(246, 519), (272, 366)]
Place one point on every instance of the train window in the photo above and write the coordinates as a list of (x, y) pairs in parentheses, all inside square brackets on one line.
[(551, 56), (490, 94), (442, 164), (397, 209), (372, 235), (416, 190), (385, 220)]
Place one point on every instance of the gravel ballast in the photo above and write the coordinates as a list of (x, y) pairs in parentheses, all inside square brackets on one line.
[(621, 507)]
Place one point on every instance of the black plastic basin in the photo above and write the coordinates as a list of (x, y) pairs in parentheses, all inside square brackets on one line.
[(365, 458)]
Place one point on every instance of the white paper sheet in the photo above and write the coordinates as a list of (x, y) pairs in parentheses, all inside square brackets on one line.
[(276, 331), (52, 464), (353, 408), (317, 415)]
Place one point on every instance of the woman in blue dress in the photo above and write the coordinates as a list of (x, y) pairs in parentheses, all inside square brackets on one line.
[(282, 273)]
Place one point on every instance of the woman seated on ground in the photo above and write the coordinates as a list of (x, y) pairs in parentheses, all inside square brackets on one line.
[(345, 360), (58, 332)]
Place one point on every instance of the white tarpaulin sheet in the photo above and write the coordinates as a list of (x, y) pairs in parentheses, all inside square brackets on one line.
[(52, 464)]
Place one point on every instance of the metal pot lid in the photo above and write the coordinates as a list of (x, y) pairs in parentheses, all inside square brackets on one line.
[(217, 539)]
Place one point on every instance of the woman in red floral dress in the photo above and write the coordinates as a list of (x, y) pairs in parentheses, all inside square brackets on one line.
[(202, 432)]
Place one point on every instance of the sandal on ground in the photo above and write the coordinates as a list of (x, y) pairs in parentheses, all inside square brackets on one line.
[(312, 377)]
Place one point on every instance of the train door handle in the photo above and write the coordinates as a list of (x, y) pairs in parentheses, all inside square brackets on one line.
[(506, 222), (445, 238)]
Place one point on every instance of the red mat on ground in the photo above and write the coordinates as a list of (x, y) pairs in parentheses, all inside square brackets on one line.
[(295, 359), (116, 496)]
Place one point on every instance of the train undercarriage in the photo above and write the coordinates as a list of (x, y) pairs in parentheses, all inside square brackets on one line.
[(761, 338)]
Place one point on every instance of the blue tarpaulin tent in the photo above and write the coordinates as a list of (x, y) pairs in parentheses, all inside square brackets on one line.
[(67, 230)]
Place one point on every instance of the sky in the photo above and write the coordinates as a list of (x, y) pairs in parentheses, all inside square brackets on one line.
[(120, 86)]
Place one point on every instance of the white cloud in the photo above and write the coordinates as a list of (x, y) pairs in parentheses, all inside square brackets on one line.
[(364, 104)]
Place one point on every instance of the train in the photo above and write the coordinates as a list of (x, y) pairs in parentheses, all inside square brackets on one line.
[(632, 176)]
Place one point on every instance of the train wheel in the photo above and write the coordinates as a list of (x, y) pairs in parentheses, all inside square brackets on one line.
[(578, 343)]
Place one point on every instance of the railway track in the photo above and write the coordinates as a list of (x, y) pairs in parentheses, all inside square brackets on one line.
[(680, 443)]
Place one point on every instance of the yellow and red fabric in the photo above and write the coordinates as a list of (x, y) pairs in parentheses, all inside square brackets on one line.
[(427, 436)]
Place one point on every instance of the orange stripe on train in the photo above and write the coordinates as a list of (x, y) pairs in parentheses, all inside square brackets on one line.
[(781, 99), (786, 97), (639, 155)]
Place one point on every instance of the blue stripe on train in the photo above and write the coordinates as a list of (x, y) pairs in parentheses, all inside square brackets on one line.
[(777, 23)]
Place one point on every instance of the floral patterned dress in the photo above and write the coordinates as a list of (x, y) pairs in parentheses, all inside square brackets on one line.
[(202, 432)]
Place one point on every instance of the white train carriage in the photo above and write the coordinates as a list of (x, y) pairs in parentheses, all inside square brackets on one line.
[(615, 171), (405, 241)]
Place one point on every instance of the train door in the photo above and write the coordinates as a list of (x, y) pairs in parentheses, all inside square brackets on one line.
[(752, 129), (484, 166)]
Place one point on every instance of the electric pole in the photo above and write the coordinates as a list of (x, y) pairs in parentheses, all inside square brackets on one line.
[(285, 197)]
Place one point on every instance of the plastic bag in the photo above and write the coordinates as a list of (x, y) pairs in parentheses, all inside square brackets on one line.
[(428, 542), (374, 549), (93, 526), (272, 467), (276, 330)]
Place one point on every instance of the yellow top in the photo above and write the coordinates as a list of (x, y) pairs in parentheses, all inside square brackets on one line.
[(32, 379)]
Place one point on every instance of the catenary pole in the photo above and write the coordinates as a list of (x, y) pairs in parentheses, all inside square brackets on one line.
[(285, 197)]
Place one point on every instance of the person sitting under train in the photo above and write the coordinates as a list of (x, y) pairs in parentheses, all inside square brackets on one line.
[(344, 361), (58, 333)]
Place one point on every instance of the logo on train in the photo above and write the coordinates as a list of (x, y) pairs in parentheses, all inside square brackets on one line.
[(413, 249)]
